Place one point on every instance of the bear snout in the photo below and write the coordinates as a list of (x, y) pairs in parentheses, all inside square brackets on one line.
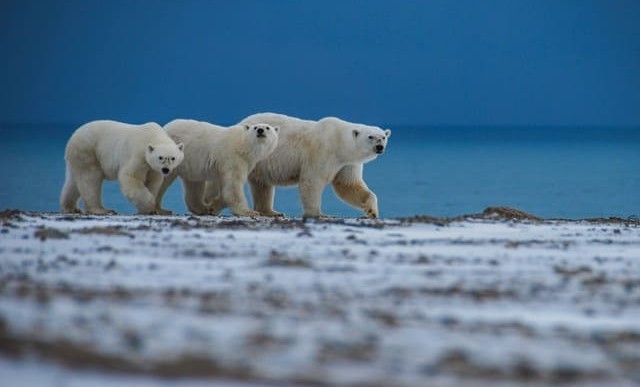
[(379, 148), (261, 132), (165, 170)]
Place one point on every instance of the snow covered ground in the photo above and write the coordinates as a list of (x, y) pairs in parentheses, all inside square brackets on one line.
[(145, 300)]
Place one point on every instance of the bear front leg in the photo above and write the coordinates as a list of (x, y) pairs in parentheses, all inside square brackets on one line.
[(358, 195), (263, 195), (350, 187), (133, 187), (311, 196), (233, 193), (161, 190)]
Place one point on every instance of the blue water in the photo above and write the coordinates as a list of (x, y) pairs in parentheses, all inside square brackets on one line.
[(440, 171)]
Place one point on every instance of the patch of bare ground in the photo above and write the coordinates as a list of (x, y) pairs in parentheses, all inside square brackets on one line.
[(208, 302), (490, 213), (80, 356), (280, 259), (50, 233), (503, 213), (262, 341), (630, 221), (227, 223), (458, 362), (10, 214), (456, 290), (363, 350), (508, 213), (104, 230), (25, 288)]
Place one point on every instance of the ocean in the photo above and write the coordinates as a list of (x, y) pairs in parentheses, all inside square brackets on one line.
[(552, 172)]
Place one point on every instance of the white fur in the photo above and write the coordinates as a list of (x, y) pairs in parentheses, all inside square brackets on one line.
[(217, 163), (313, 154), (134, 154)]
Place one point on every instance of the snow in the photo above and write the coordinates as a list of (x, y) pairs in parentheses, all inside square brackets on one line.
[(342, 302)]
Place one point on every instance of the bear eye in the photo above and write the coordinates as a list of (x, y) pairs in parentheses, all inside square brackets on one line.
[(173, 159), (370, 137), (160, 158)]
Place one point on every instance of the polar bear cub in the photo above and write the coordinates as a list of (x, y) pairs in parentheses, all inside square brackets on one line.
[(217, 164), (313, 154), (137, 155)]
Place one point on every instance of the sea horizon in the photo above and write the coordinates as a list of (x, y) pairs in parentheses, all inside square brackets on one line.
[(551, 171)]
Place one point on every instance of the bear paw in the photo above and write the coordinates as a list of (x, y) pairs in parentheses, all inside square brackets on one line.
[(271, 213), (214, 210), (162, 211), (371, 213), (149, 212), (199, 211), (250, 213), (72, 211)]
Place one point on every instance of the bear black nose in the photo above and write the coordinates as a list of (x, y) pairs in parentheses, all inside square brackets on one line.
[(260, 130), (379, 148), (165, 170)]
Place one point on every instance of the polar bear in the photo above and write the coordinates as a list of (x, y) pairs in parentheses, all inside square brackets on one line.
[(137, 155), (217, 164), (313, 154)]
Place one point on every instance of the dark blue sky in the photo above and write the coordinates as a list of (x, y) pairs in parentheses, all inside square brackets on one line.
[(404, 62)]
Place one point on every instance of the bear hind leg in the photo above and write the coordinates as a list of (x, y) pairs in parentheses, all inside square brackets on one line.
[(213, 197), (89, 184), (262, 196), (233, 194), (194, 196), (70, 195), (311, 197)]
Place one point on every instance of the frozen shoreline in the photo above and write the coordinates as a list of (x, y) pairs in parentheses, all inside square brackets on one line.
[(344, 302)]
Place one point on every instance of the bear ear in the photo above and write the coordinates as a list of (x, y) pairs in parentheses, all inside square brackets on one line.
[(355, 133), (247, 127), (387, 132), (181, 147), (150, 148)]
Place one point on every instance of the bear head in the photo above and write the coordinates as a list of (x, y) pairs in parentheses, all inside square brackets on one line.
[(164, 158), (371, 141), (263, 136)]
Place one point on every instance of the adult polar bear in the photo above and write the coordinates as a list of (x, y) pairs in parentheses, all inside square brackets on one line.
[(137, 155), (313, 154), (217, 163)]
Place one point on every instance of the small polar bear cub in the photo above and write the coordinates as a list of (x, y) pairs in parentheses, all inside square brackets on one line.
[(313, 154), (139, 156), (217, 164)]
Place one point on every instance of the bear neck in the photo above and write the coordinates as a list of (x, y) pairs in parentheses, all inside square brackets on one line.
[(348, 151), (248, 149)]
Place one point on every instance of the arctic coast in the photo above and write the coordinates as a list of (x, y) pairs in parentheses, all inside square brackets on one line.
[(498, 298)]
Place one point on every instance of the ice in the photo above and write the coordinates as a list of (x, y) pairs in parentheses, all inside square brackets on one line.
[(333, 301)]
